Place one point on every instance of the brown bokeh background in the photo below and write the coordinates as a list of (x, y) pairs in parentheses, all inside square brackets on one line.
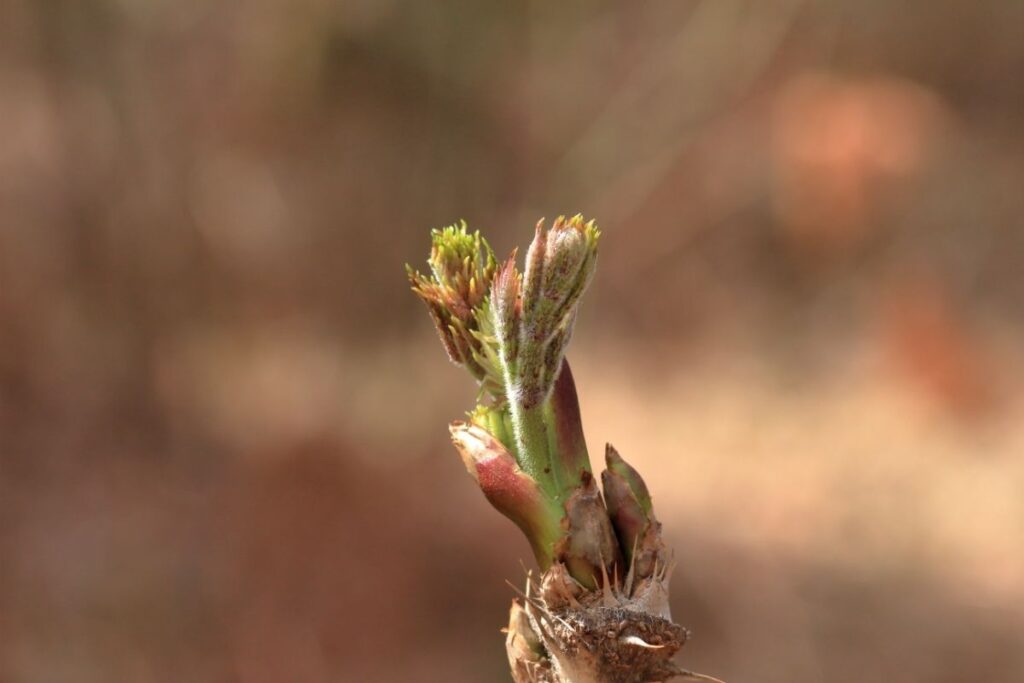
[(223, 453)]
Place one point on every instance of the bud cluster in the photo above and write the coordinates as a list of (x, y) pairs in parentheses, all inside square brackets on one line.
[(601, 613), (525, 447)]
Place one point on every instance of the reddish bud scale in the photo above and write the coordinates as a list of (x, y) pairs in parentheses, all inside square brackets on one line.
[(589, 548), (509, 490), (631, 514), (616, 464), (504, 309), (562, 414)]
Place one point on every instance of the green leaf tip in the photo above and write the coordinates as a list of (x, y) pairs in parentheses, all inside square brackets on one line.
[(462, 259), (462, 266)]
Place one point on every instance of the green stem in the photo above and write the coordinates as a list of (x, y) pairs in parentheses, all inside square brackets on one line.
[(532, 446), (559, 460)]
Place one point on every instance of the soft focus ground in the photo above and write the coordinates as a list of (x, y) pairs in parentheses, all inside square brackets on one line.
[(223, 453)]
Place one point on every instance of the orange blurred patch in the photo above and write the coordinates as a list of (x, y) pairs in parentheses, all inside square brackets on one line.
[(837, 145), (930, 343)]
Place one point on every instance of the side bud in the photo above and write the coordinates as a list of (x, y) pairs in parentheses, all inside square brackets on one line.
[(632, 515), (589, 549), (509, 490)]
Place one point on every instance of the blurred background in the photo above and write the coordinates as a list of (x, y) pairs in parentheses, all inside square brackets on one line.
[(223, 446)]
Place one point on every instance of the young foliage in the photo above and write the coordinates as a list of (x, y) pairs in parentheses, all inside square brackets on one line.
[(600, 611)]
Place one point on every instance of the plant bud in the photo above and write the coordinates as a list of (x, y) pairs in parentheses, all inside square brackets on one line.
[(559, 266), (566, 254), (508, 489), (462, 266), (589, 549), (615, 463), (631, 513)]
